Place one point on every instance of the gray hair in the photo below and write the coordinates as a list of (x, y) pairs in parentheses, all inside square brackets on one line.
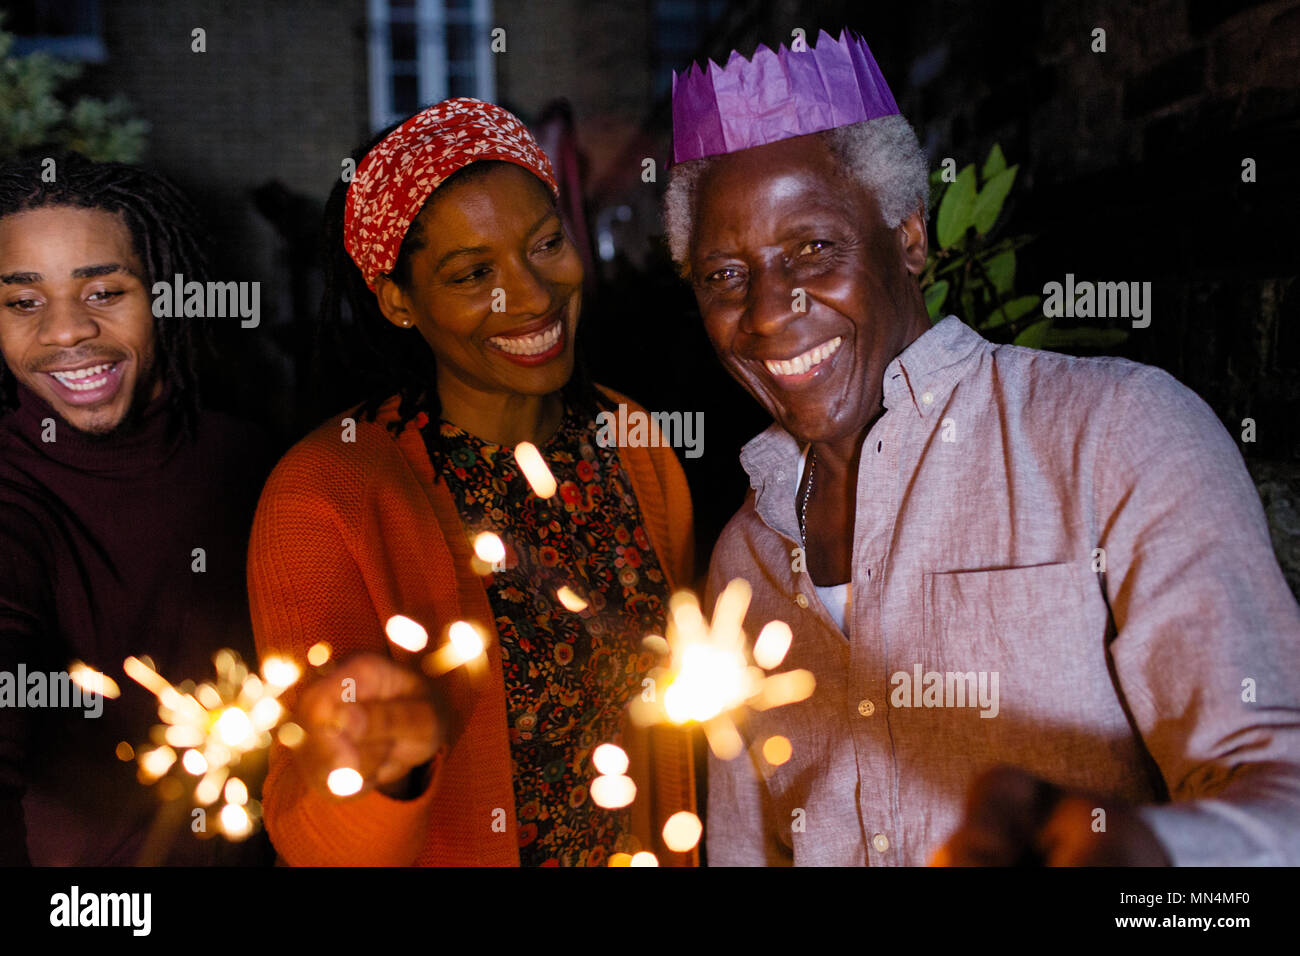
[(883, 154)]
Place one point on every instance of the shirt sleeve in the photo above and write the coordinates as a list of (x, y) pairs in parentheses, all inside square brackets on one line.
[(304, 587), (24, 622), (740, 825), (1207, 645)]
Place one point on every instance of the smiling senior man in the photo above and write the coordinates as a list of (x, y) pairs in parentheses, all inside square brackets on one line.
[(1037, 591)]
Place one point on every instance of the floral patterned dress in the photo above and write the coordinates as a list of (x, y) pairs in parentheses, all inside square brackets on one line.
[(568, 675)]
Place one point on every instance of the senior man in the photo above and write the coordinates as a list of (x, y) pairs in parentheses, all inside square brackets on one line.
[(1037, 592)]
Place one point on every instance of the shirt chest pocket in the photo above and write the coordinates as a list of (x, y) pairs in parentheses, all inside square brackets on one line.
[(1026, 621)]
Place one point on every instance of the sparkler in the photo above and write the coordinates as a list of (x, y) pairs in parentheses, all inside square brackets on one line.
[(215, 725), (709, 676)]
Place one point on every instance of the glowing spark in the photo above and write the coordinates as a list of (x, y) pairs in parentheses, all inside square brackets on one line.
[(266, 713), (644, 858), (344, 782), (777, 750), (655, 644), (570, 599), (209, 788), (233, 727), (318, 654), (620, 859), (682, 831), (773, 642), (92, 681), (406, 634), (235, 822), (236, 792), (146, 676), (535, 470), (154, 763), (209, 696), (125, 752), (610, 759), (466, 640), (612, 792), (291, 735), (788, 688), (184, 735), (723, 737), (489, 548), (194, 763), (279, 672)]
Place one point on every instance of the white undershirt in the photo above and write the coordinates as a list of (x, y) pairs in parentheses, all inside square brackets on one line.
[(834, 597)]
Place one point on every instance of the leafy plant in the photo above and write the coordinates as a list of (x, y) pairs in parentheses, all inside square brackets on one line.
[(973, 274), (34, 118)]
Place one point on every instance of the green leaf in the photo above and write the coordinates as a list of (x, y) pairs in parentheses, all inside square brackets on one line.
[(935, 294), (1012, 311), (957, 211), (1034, 336), (994, 164), (1085, 338), (991, 198), (1002, 271)]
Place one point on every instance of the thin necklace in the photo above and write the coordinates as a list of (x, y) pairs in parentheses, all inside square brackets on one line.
[(807, 493)]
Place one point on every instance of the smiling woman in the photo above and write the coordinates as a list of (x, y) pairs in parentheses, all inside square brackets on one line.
[(451, 258)]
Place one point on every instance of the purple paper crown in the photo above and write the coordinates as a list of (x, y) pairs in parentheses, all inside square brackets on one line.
[(776, 96)]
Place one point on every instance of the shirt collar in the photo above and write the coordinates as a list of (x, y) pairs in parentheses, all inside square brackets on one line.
[(927, 371), (920, 378)]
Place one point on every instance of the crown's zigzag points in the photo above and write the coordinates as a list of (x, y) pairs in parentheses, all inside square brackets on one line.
[(776, 95)]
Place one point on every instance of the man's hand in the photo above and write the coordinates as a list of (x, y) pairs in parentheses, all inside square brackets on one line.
[(1016, 819), (384, 724)]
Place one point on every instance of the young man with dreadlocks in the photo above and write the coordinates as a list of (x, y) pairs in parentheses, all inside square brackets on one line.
[(124, 507)]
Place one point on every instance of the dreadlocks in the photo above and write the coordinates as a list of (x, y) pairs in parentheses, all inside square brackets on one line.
[(164, 231), (389, 360)]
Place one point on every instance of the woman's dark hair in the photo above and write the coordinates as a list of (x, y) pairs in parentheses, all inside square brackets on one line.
[(165, 232), (391, 360)]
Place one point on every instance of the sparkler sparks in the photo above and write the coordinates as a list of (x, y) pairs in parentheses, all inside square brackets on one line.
[(709, 676), (216, 725), (92, 681), (535, 469)]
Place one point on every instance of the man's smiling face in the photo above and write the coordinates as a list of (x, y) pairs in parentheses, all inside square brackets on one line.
[(76, 325), (784, 217)]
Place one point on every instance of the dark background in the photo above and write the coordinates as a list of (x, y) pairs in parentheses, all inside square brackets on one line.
[(1130, 169)]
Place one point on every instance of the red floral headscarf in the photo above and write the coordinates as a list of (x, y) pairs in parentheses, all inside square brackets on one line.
[(396, 177)]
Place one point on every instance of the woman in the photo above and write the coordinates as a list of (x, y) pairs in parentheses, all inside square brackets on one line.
[(457, 256)]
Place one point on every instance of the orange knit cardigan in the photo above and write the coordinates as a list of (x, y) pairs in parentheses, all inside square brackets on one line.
[(348, 533)]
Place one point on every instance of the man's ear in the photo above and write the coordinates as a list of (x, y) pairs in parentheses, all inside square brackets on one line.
[(394, 303), (914, 240)]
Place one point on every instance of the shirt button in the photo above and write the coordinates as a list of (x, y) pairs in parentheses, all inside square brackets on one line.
[(801, 600), (880, 842), (866, 708), (927, 398)]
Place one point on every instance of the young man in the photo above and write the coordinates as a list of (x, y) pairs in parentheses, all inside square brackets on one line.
[(124, 508), (989, 555)]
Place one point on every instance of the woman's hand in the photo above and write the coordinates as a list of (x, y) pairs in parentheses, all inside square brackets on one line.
[(370, 714)]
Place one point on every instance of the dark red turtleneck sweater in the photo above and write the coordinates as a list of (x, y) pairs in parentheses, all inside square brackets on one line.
[(97, 541)]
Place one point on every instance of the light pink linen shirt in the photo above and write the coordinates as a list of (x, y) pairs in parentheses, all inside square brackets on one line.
[(984, 493)]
